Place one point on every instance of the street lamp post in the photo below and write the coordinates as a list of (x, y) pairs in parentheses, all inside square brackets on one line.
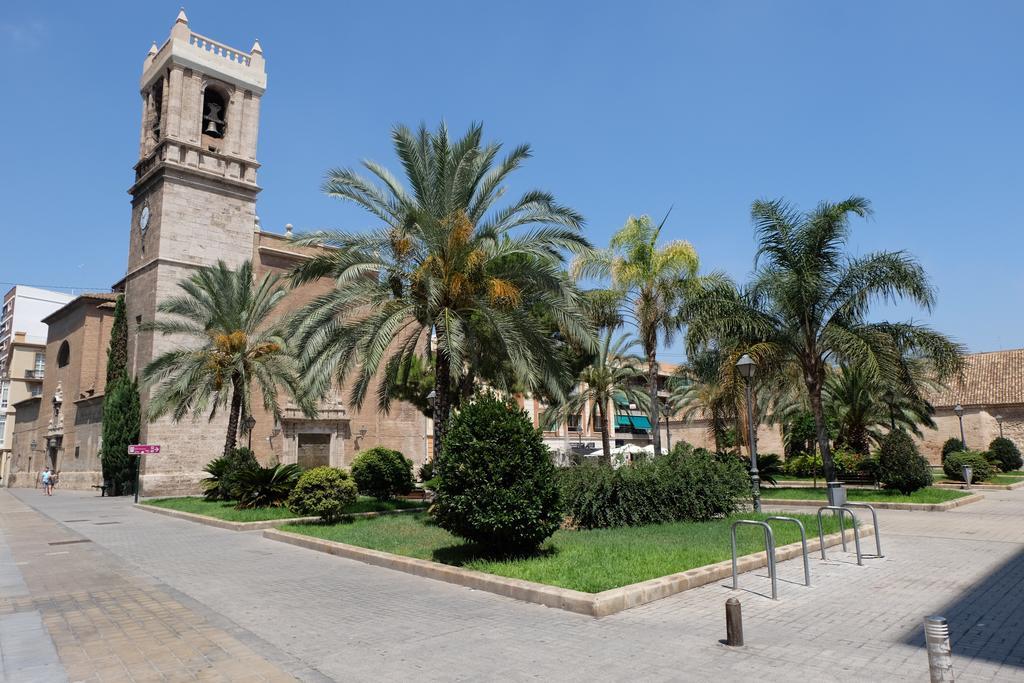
[(666, 410), (999, 420), (431, 397), (747, 367), (248, 424), (959, 410)]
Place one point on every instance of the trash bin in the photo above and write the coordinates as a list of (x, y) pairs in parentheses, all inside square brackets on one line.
[(967, 473), (836, 493)]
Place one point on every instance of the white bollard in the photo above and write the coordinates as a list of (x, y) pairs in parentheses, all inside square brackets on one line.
[(940, 653)]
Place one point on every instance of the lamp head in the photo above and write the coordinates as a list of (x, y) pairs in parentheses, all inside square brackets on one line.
[(746, 366), (959, 410)]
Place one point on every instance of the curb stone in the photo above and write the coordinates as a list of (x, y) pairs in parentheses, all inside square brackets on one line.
[(880, 505), (591, 604), (260, 525)]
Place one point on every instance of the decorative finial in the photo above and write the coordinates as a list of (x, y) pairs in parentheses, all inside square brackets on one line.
[(152, 49), (182, 17), (288, 230), (256, 48), (256, 224)]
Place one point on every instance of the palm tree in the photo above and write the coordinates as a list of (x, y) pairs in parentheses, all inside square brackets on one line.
[(807, 305), (446, 274), (228, 316), (652, 283), (698, 391), (865, 409), (613, 377)]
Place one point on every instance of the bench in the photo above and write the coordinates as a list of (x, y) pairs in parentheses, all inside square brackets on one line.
[(857, 478), (102, 487)]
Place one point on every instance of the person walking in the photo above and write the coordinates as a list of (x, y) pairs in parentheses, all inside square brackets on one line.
[(47, 478)]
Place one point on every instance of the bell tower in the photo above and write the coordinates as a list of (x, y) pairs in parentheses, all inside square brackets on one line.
[(193, 203)]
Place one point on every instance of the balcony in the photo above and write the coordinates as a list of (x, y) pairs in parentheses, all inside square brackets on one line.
[(34, 374)]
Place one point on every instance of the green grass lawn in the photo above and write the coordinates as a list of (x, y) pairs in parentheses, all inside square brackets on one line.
[(928, 495), (226, 509), (1000, 479), (589, 561)]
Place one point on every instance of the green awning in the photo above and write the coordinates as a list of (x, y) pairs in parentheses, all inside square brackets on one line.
[(641, 422), (622, 421)]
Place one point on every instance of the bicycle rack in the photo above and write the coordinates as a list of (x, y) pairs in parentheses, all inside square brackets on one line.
[(842, 530), (769, 549), (874, 521), (803, 543)]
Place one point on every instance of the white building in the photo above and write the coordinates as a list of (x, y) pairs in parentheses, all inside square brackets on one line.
[(23, 311)]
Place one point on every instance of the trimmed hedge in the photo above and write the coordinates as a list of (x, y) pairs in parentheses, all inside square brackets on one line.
[(323, 491), (1006, 454), (900, 465), (681, 486), (382, 473), (982, 468), (497, 482)]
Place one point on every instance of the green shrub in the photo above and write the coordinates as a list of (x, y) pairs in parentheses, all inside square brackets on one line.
[(980, 465), (266, 486), (497, 482), (803, 465), (382, 473), (680, 486), (769, 466), (952, 445), (323, 491), (900, 466), (1006, 453), (426, 471), (225, 472)]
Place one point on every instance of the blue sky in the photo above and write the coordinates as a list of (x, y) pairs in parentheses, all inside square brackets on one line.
[(630, 107)]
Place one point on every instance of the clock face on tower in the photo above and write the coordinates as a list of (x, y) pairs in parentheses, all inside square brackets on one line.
[(144, 219)]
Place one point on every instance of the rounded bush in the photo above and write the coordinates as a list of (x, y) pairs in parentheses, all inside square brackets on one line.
[(952, 445), (382, 473), (900, 466), (1006, 454), (980, 465), (323, 491), (496, 482)]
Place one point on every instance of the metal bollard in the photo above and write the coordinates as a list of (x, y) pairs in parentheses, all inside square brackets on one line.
[(733, 623), (940, 653)]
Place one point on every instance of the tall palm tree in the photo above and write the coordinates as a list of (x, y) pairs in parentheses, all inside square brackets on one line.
[(236, 345), (446, 274), (614, 376), (652, 283), (808, 303)]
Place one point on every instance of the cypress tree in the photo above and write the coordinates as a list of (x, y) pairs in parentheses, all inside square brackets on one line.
[(121, 412)]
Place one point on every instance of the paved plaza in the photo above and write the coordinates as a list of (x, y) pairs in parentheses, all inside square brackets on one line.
[(92, 589)]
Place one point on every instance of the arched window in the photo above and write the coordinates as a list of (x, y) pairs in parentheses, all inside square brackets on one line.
[(63, 355), (215, 108)]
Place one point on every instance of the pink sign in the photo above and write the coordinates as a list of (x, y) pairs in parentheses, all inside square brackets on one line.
[(140, 449)]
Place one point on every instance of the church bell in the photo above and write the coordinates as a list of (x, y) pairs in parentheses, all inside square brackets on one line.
[(214, 124)]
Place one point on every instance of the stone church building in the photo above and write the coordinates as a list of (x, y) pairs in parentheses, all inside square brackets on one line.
[(193, 203)]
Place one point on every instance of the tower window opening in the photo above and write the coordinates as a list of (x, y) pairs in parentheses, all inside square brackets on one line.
[(158, 107), (214, 114)]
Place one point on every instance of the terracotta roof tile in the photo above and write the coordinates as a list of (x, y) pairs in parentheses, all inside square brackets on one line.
[(993, 378)]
